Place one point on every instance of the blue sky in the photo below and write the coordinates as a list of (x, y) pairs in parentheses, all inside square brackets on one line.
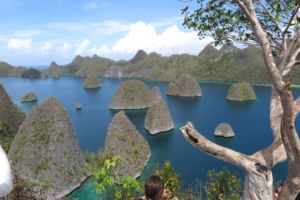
[(36, 32)]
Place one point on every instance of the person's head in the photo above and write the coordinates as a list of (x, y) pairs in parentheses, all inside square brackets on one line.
[(154, 188)]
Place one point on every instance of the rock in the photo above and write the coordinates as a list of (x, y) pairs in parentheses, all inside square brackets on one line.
[(31, 73), (29, 97), (140, 55), (155, 95), (241, 92), (224, 130), (158, 118), (11, 118), (114, 71), (186, 86), (131, 94), (46, 152), (92, 82), (124, 140)]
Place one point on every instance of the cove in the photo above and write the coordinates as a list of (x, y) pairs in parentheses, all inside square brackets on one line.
[(249, 120)]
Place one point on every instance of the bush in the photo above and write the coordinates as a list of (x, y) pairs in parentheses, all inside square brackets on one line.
[(222, 185)]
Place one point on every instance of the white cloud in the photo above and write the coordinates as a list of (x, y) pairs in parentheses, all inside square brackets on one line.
[(144, 36), (47, 47), (65, 49), (23, 45), (3, 38), (83, 47), (89, 5)]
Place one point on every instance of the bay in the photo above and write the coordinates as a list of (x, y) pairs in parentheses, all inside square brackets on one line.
[(250, 121)]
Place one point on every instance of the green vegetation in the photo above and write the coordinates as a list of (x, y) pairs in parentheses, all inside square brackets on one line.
[(241, 92), (6, 136), (223, 185), (170, 177), (92, 81), (220, 184)]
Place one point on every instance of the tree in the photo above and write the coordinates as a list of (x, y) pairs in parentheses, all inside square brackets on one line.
[(273, 27)]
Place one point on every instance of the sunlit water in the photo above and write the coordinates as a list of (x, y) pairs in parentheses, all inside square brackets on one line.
[(249, 120)]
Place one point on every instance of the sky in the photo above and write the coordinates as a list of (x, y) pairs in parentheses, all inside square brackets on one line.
[(36, 32)]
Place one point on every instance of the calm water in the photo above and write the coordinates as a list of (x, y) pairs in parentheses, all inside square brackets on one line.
[(249, 120)]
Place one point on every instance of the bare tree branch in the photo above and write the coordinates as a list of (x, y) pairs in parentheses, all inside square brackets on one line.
[(217, 151), (291, 63)]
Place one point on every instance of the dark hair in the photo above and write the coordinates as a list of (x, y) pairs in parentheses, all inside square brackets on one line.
[(154, 188)]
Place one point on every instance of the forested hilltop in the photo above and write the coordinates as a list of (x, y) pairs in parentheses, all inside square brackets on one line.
[(226, 64)]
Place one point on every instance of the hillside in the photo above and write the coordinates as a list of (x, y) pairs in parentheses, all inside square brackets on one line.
[(229, 64)]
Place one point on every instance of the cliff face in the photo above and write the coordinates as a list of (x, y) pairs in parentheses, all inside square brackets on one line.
[(186, 86), (158, 118), (29, 97), (131, 94), (124, 140), (91, 82), (114, 71), (46, 153), (241, 92), (10, 119)]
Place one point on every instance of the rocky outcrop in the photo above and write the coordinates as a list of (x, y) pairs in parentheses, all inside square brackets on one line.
[(92, 82), (131, 94), (241, 92), (10, 119), (114, 71), (158, 118), (224, 130), (124, 140), (155, 95), (31, 73), (29, 97), (186, 86), (46, 152), (140, 55)]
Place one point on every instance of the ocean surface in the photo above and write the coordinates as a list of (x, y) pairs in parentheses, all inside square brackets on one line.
[(249, 120)]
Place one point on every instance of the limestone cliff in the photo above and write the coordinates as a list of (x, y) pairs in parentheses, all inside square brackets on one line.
[(29, 97), (158, 118), (124, 140), (155, 95), (10, 119), (92, 82), (241, 92), (224, 130), (131, 94), (46, 152), (186, 86)]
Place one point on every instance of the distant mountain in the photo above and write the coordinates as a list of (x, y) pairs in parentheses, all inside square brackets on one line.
[(31, 73), (5, 68), (229, 63), (140, 55)]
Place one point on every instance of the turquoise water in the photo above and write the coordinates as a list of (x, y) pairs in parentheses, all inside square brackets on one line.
[(249, 120)]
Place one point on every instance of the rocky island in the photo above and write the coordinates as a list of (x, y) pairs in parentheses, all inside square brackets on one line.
[(29, 97), (10, 119), (31, 73), (158, 118), (46, 152), (241, 92), (131, 94), (186, 86), (92, 82), (224, 130), (123, 139)]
